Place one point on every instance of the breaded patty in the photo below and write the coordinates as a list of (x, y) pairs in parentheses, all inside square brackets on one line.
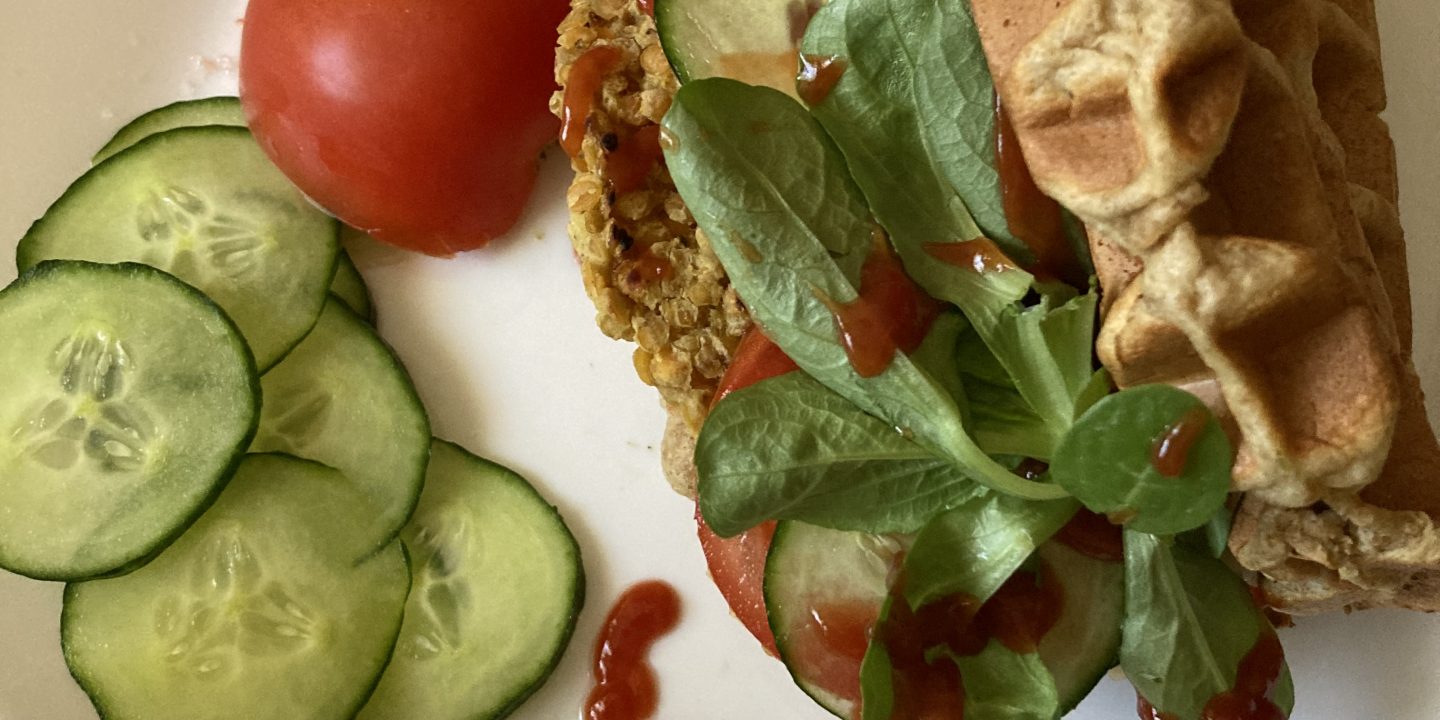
[(654, 280)]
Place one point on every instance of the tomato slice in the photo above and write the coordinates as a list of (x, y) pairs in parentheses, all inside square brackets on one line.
[(756, 358), (737, 565)]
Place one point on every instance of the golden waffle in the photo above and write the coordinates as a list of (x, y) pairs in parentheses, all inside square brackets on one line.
[(1239, 188)]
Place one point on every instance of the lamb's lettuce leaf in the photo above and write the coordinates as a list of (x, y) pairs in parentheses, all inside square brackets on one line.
[(1001, 684), (976, 547), (774, 197), (1189, 621), (1108, 460), (789, 448), (877, 674), (913, 114)]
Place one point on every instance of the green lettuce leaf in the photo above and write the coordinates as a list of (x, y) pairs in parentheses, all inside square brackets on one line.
[(1107, 461), (913, 114), (790, 448), (916, 78), (1001, 684), (1189, 621), (877, 675), (976, 547), (774, 197)]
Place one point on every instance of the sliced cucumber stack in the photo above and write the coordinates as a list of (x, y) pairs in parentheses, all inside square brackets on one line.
[(128, 399), (477, 640), (753, 41), (821, 582), (343, 398), (222, 110), (269, 607), (205, 204)]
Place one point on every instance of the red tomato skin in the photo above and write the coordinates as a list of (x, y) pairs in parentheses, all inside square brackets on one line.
[(419, 121), (756, 358), (737, 565)]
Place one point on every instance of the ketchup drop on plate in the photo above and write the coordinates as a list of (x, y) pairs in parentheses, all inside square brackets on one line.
[(625, 686)]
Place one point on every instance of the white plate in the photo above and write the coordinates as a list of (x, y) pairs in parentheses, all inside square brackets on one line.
[(502, 346)]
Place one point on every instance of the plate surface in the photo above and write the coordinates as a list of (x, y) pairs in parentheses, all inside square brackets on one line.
[(502, 346)]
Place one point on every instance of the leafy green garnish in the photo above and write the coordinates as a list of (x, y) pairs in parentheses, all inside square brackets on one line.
[(1001, 684), (1117, 461), (913, 114), (915, 110), (976, 547), (774, 197), (1189, 621), (790, 448), (877, 674)]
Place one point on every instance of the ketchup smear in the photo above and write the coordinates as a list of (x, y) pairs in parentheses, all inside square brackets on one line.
[(1018, 615), (581, 89), (1171, 450), (1093, 535), (892, 313), (980, 255), (625, 686), (818, 76), (632, 159)]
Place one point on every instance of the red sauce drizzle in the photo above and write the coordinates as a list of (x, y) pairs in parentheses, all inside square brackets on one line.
[(981, 255), (1033, 216), (625, 687), (1018, 615), (818, 75), (891, 314), (1091, 534), (581, 88), (1254, 681), (1171, 451), (647, 7), (629, 164)]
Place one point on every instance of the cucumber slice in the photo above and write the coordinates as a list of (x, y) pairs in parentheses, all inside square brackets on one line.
[(205, 204), (226, 110), (812, 568), (350, 288), (497, 587), (1085, 642), (753, 41), (266, 608), (343, 398), (223, 110), (128, 398)]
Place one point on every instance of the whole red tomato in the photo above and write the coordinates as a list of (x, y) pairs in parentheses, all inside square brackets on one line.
[(419, 121)]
